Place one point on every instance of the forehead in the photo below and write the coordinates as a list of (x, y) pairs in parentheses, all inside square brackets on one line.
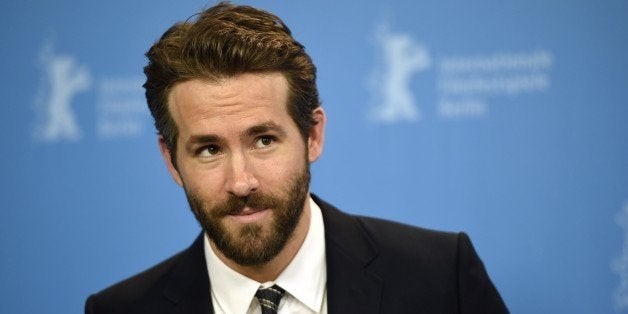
[(201, 106)]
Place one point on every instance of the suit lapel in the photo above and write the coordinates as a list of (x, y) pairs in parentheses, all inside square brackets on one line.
[(188, 287), (351, 287)]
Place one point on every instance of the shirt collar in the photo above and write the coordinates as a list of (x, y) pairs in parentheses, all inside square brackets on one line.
[(228, 287), (304, 278)]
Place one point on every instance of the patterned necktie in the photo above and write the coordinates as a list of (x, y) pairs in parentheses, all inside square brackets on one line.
[(269, 298)]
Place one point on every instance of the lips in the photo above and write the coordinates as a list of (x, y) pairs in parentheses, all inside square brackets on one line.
[(246, 211), (249, 215)]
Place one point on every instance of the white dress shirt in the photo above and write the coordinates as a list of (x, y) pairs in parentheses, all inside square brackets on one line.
[(304, 279)]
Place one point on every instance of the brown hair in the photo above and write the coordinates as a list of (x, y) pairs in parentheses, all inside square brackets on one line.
[(226, 40)]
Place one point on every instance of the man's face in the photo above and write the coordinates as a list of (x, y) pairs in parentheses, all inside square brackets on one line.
[(242, 162)]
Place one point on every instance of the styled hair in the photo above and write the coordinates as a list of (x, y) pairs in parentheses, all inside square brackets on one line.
[(224, 41)]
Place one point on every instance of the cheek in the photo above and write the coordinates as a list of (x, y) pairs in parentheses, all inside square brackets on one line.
[(203, 182), (279, 170)]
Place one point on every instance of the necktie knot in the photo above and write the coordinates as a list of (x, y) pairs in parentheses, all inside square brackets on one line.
[(269, 298)]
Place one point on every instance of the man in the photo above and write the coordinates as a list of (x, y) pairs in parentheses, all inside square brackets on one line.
[(235, 102)]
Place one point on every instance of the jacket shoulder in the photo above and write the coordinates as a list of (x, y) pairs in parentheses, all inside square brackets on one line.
[(179, 283), (443, 263), (402, 240), (421, 268)]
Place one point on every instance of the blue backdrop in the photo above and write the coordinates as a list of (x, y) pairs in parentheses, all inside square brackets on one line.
[(508, 120)]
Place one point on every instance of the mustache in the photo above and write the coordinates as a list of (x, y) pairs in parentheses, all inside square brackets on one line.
[(235, 204)]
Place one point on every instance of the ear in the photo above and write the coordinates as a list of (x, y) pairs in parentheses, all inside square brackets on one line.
[(165, 154), (317, 135)]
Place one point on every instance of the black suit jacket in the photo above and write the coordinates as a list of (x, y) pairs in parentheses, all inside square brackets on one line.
[(373, 266)]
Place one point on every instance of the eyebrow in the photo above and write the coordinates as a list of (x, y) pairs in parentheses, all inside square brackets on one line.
[(265, 127), (196, 139), (268, 126)]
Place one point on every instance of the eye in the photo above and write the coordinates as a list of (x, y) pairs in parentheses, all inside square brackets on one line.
[(209, 151), (264, 141)]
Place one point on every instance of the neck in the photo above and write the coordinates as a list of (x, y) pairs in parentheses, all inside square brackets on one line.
[(272, 269)]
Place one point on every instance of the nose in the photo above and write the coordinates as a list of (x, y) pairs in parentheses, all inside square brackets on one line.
[(241, 180)]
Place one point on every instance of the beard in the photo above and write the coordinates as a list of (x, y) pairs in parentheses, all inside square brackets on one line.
[(253, 244)]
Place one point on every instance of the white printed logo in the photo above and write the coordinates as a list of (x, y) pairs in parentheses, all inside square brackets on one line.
[(64, 78), (402, 58), (463, 84), (620, 265)]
